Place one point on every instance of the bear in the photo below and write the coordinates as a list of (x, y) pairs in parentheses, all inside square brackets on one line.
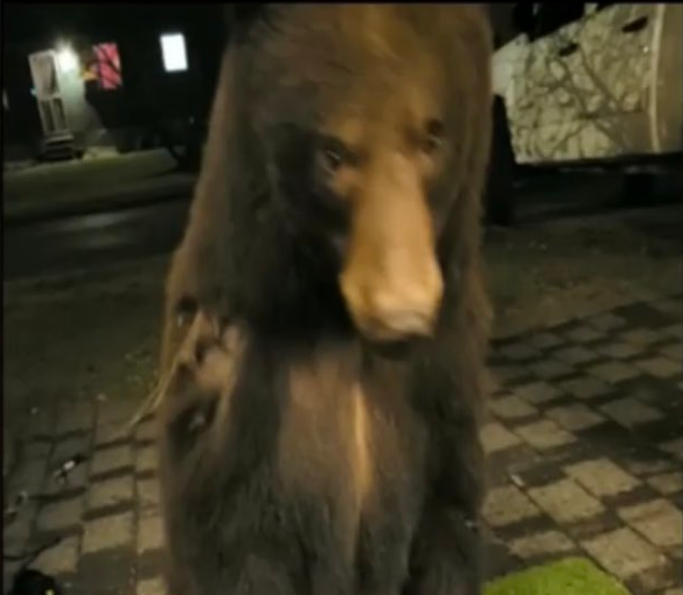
[(326, 319)]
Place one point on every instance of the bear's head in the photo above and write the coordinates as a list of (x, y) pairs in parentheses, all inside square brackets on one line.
[(363, 115)]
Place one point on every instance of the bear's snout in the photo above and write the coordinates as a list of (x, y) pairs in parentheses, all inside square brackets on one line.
[(390, 307)]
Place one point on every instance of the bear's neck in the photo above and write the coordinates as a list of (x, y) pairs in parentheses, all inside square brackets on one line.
[(289, 287)]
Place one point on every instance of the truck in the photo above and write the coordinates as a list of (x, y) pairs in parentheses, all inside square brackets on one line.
[(587, 86)]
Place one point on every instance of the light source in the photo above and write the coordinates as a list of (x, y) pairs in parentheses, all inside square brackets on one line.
[(173, 52), (67, 59)]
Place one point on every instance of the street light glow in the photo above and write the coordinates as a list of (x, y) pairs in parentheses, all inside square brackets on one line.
[(67, 59)]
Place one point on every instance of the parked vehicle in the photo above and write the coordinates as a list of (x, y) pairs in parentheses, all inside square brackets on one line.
[(588, 85)]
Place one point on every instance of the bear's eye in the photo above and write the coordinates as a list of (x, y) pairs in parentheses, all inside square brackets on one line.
[(332, 159), (332, 155), (433, 137)]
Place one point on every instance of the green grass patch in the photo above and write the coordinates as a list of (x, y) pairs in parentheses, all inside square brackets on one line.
[(572, 576)]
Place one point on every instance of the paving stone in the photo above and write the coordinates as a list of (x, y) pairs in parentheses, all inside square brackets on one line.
[(541, 544), (108, 532), (519, 351), (659, 521), (69, 447), (673, 447), (59, 559), (575, 417), (545, 340), (152, 586), (602, 477), (575, 355), (76, 478), (671, 306), (115, 411), (675, 331), (631, 412), (111, 459), (42, 424), (620, 350), (544, 434), (61, 515), (15, 535), (584, 334), (648, 466), (674, 352), (9, 570), (34, 449), (75, 416), (150, 534), (551, 369), (566, 502), (109, 571), (667, 483), (111, 492), (537, 393), (146, 432), (623, 553), (110, 432), (640, 336), (495, 437), (512, 407), (146, 459), (645, 314), (507, 505), (661, 367), (613, 372), (585, 387), (655, 580), (492, 385), (505, 374), (607, 322), (148, 494), (29, 477)]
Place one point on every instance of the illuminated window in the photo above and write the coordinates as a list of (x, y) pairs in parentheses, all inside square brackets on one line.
[(173, 52), (105, 66)]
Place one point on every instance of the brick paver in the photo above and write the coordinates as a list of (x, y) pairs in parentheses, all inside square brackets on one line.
[(602, 477), (585, 438), (542, 544), (508, 505), (108, 533), (658, 521), (566, 501)]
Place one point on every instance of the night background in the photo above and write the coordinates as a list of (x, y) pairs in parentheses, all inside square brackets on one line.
[(105, 110)]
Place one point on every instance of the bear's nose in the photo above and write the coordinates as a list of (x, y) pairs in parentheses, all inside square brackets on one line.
[(397, 307)]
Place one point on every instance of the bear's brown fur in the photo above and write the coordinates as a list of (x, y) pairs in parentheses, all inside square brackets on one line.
[(337, 212)]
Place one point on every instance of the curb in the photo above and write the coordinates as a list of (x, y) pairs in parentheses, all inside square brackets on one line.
[(93, 206)]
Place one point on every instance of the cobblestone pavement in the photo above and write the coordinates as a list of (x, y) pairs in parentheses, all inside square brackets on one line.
[(585, 438)]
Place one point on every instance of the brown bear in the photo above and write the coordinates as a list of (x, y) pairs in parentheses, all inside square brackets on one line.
[(326, 320)]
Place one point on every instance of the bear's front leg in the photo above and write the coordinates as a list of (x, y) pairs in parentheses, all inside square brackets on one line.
[(446, 556), (446, 551)]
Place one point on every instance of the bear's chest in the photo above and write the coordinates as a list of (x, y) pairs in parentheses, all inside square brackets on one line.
[(353, 457)]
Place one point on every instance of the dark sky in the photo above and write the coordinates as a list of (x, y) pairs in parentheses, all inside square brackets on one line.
[(27, 21)]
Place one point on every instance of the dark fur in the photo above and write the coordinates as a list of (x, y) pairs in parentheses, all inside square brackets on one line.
[(257, 257)]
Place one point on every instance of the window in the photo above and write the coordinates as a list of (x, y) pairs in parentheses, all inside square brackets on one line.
[(104, 66), (173, 52)]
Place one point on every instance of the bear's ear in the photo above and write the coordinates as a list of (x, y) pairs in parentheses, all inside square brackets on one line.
[(240, 17)]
